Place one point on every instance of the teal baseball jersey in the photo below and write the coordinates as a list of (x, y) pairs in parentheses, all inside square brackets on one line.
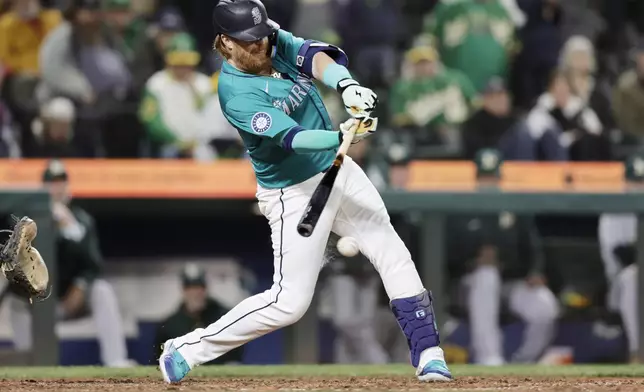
[(268, 111)]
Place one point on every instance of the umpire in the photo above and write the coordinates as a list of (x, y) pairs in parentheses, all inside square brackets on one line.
[(81, 291)]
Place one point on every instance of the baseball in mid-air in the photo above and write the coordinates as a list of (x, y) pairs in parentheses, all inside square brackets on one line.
[(348, 246)]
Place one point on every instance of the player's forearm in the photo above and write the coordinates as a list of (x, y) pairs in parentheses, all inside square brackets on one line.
[(327, 71), (321, 61), (306, 141)]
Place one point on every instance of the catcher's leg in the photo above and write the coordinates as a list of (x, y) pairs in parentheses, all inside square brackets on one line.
[(20, 323), (363, 216), (109, 324), (297, 262)]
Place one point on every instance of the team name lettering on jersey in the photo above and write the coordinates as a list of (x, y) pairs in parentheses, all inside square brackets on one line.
[(299, 92)]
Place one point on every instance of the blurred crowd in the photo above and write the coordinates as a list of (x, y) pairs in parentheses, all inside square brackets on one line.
[(499, 80), (538, 79), (93, 78), (534, 80)]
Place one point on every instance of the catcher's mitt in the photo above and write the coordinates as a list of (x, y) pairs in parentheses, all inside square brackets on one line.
[(21, 263)]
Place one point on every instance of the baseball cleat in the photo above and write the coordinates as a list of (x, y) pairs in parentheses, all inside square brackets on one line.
[(172, 364), (434, 370)]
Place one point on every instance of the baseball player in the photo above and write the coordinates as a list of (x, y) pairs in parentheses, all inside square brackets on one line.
[(617, 237), (266, 91)]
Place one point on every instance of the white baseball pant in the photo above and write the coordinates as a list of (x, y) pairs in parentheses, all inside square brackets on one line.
[(536, 306), (354, 209)]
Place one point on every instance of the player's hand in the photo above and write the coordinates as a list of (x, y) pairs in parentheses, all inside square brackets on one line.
[(359, 101), (366, 127)]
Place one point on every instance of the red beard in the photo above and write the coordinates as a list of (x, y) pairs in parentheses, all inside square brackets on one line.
[(255, 61)]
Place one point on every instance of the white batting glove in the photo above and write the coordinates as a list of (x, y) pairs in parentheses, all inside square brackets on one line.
[(359, 101), (367, 127)]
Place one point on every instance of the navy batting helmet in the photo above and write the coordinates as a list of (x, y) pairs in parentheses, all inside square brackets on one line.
[(245, 20)]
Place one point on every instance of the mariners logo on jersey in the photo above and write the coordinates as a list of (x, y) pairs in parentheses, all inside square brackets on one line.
[(261, 122)]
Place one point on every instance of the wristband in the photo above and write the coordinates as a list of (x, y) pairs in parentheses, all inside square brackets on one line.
[(334, 74), (344, 83)]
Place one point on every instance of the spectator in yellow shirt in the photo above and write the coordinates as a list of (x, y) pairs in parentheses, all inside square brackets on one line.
[(22, 31)]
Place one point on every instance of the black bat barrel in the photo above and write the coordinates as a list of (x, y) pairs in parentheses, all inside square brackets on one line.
[(317, 203)]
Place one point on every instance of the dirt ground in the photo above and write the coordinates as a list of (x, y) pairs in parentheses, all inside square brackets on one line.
[(328, 384)]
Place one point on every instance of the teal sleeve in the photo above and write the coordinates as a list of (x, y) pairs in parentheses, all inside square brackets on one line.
[(333, 74), (254, 114), (307, 141), (289, 45)]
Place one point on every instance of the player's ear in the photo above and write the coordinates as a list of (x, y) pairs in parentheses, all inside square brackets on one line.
[(227, 42)]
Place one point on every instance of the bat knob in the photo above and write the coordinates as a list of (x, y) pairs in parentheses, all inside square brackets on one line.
[(305, 229)]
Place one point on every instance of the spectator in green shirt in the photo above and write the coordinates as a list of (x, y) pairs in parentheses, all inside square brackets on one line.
[(128, 26), (431, 99), (472, 36), (149, 48)]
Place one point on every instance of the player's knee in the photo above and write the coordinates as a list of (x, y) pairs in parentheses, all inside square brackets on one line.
[(293, 307)]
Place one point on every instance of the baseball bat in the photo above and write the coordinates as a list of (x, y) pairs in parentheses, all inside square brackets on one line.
[(321, 194)]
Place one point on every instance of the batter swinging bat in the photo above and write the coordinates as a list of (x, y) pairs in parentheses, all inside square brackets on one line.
[(321, 194)]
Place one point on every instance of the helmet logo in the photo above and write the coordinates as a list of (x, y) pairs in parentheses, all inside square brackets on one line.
[(257, 16)]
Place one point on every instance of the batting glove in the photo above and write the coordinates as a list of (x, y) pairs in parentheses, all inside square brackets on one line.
[(359, 101), (367, 127)]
